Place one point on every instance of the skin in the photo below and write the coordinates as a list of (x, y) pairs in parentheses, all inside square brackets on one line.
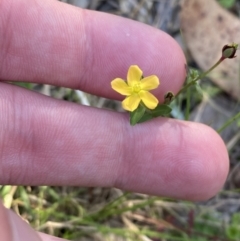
[(44, 141)]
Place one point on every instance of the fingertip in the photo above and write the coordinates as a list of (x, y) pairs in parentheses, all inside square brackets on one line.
[(214, 159), (201, 162), (173, 158)]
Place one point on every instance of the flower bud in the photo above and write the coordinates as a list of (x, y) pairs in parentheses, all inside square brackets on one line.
[(168, 97), (229, 51)]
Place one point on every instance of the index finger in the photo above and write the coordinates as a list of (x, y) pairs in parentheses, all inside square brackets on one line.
[(55, 43)]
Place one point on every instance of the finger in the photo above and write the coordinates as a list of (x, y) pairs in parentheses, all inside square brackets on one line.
[(52, 142), (55, 43), (13, 228)]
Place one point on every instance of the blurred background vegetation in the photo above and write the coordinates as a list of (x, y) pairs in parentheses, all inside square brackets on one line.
[(99, 214)]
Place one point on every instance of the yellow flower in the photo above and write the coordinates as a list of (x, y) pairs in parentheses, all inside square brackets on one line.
[(136, 89)]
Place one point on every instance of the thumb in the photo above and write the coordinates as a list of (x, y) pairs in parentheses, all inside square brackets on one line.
[(13, 228)]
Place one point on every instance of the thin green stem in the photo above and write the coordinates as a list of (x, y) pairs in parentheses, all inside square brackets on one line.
[(213, 67), (198, 78), (229, 122)]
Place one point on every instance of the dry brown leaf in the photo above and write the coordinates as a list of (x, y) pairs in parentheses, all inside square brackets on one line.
[(206, 28)]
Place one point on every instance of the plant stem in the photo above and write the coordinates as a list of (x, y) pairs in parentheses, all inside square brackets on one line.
[(199, 77), (229, 122)]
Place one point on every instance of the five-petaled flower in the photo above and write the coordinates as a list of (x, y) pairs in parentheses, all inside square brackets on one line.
[(136, 89)]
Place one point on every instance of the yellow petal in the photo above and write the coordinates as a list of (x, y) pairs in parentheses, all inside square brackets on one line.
[(134, 75), (121, 86), (131, 103), (148, 99), (150, 83)]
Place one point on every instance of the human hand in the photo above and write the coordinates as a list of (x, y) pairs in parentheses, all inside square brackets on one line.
[(44, 141)]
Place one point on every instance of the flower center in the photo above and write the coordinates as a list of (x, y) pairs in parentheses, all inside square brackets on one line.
[(136, 88)]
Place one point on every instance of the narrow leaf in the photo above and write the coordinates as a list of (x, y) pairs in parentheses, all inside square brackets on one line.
[(145, 117), (161, 110), (136, 115)]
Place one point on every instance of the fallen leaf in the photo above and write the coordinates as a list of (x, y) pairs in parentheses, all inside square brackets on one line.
[(206, 28)]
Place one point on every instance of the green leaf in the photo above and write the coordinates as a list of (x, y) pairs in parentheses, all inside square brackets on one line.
[(236, 218), (233, 232), (193, 74), (198, 88), (136, 115), (140, 115), (146, 116), (238, 123), (161, 110), (227, 3), (24, 85)]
